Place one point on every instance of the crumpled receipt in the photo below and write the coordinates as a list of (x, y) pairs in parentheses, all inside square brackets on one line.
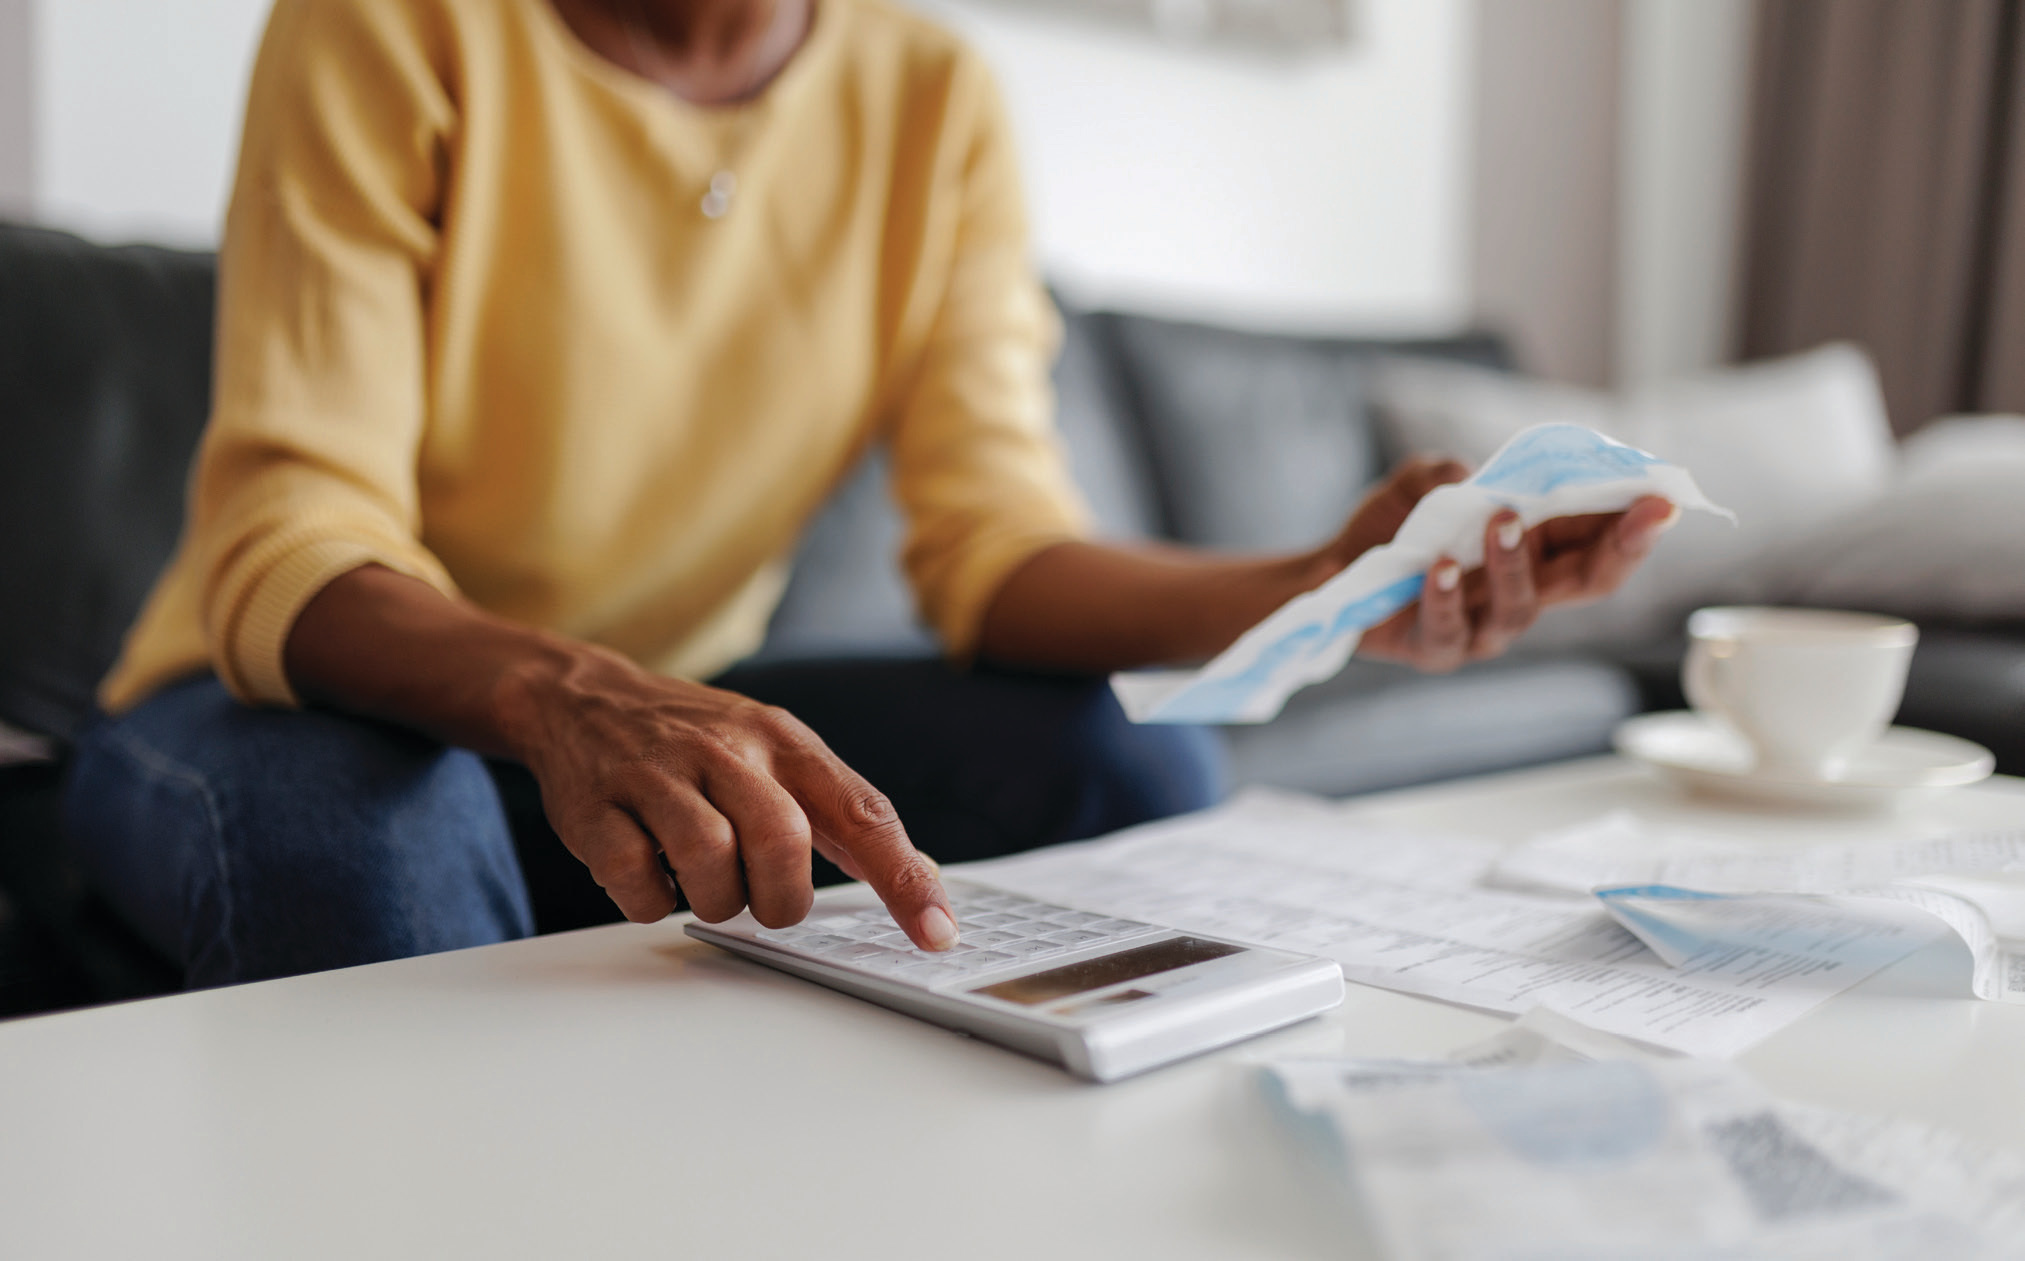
[(1556, 1141), (1544, 472), (1682, 894)]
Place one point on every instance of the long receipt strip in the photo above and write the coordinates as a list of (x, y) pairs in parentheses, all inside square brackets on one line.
[(1545, 472), (1409, 912), (1553, 1140), (1677, 890)]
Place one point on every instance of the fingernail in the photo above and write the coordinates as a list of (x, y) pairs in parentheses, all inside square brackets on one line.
[(1651, 533), (1510, 533), (1447, 576), (938, 928)]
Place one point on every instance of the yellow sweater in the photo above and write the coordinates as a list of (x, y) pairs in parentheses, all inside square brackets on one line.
[(475, 326)]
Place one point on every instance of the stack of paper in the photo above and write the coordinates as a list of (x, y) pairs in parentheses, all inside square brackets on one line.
[(1410, 911), (1680, 891)]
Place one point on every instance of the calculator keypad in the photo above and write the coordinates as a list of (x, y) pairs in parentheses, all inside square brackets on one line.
[(999, 930)]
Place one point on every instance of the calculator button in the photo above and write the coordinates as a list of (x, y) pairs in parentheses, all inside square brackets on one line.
[(1117, 927), (978, 961), (932, 974), (1032, 948), (1075, 937), (1000, 929), (892, 963)]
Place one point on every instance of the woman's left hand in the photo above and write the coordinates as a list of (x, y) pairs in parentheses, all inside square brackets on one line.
[(1461, 617)]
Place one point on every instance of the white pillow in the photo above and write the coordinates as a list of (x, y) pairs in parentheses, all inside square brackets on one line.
[(1787, 444), (1946, 542)]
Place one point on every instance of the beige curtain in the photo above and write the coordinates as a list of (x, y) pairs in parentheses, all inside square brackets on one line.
[(1884, 201)]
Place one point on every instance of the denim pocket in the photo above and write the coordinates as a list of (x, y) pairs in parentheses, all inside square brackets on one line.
[(145, 827)]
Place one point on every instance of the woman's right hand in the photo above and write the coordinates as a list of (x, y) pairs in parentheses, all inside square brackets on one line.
[(634, 768), (734, 794)]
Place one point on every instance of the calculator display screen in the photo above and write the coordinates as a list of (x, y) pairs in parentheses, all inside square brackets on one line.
[(1094, 974)]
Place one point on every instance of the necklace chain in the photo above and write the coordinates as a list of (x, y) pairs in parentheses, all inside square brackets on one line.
[(716, 200), (641, 39)]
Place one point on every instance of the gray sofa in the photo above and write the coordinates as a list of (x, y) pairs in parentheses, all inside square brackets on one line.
[(1243, 441), (1205, 435)]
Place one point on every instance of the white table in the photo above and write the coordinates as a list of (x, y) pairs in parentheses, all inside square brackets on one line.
[(626, 1091)]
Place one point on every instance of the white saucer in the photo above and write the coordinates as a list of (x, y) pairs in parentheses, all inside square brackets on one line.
[(1704, 757)]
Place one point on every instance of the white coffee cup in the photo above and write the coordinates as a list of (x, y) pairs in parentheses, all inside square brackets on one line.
[(1806, 688)]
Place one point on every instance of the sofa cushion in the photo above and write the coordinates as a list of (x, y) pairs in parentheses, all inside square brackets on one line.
[(1945, 541), (1970, 683), (105, 367), (1383, 726), (847, 596), (1259, 442), (1107, 452), (67, 946), (1131, 438), (1789, 445)]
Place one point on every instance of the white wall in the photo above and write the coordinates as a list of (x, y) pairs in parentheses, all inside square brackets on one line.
[(1546, 204), (1687, 78), (1610, 153), (1332, 192), (1325, 192), (17, 106), (137, 113)]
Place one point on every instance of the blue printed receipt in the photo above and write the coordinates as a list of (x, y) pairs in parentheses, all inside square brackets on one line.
[(1545, 472)]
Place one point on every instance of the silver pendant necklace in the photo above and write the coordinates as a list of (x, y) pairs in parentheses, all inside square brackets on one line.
[(716, 200)]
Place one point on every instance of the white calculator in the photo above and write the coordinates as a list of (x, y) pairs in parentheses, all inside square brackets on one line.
[(1105, 998)]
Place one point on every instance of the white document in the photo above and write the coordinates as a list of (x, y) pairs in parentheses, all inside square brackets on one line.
[(1681, 925), (1675, 889), (1405, 911), (1545, 1036), (1618, 849), (1537, 1149), (1544, 472)]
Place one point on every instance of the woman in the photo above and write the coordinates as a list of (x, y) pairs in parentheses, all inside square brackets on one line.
[(544, 327)]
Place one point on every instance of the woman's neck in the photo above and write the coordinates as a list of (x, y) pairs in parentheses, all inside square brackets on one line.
[(712, 52)]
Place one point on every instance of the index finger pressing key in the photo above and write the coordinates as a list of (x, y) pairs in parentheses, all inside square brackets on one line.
[(858, 819)]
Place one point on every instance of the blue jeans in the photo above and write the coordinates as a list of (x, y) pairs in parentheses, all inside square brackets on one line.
[(253, 843)]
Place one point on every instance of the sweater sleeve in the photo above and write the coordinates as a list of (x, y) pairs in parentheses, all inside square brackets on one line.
[(979, 468), (308, 467)]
